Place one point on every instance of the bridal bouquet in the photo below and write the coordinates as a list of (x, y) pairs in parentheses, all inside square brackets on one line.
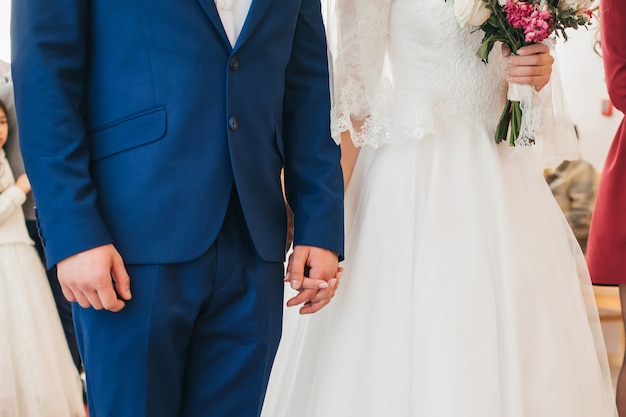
[(517, 23)]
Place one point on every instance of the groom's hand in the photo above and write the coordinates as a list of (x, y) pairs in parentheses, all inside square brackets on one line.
[(320, 283), (88, 278)]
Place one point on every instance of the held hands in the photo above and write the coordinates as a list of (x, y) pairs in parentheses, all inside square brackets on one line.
[(532, 65), (95, 278), (316, 290)]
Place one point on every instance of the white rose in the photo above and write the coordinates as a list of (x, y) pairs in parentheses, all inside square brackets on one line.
[(474, 12)]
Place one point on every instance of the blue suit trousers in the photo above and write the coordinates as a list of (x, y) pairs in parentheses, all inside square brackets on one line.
[(197, 339)]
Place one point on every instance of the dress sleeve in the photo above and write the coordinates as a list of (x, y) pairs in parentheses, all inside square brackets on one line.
[(11, 199), (357, 38), (556, 136), (613, 18)]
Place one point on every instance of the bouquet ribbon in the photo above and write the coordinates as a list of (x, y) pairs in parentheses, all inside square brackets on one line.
[(522, 114)]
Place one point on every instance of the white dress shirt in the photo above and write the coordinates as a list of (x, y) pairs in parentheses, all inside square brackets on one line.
[(233, 14)]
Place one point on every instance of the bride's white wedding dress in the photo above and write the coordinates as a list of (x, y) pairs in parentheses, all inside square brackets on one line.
[(464, 293)]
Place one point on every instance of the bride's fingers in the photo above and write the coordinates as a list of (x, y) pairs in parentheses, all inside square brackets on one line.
[(314, 305), (313, 284), (314, 300), (529, 71), (315, 293), (302, 297), (532, 49), (535, 75), (529, 65), (327, 293), (532, 66), (310, 308), (527, 76)]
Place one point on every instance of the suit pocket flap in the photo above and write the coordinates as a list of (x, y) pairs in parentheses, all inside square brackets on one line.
[(127, 133)]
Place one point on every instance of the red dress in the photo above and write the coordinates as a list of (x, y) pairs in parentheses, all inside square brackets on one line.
[(606, 250)]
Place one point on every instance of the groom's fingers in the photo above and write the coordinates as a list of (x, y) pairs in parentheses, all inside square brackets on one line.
[(121, 278), (295, 268), (313, 284)]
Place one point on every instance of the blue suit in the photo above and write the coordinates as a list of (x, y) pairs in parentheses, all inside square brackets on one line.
[(141, 126)]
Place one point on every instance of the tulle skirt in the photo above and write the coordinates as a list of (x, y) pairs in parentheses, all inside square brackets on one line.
[(37, 375), (464, 295)]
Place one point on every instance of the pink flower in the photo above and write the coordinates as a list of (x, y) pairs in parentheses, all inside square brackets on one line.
[(537, 26), (517, 12), (535, 22)]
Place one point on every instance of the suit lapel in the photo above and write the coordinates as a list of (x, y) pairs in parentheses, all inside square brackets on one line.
[(211, 10), (255, 15)]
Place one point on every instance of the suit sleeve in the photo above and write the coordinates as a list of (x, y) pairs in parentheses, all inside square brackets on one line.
[(49, 44), (613, 30), (313, 178)]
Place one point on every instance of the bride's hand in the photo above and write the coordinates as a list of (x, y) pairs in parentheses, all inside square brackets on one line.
[(532, 65)]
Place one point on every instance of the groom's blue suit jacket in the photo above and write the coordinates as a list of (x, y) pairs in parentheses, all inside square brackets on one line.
[(137, 120)]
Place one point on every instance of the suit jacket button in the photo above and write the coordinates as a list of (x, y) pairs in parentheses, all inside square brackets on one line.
[(234, 64), (233, 124)]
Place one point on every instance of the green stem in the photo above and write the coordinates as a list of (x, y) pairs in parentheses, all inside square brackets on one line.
[(503, 124), (503, 23), (516, 122)]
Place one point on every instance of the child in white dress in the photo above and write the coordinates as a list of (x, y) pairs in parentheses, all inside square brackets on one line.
[(37, 375)]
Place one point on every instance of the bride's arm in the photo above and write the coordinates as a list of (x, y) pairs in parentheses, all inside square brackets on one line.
[(532, 65), (349, 153)]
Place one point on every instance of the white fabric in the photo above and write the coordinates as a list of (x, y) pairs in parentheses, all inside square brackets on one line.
[(37, 375), (12, 228), (546, 122), (372, 80), (375, 75), (464, 292), (233, 15), (556, 137)]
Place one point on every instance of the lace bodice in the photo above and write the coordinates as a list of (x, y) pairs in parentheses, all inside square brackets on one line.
[(430, 72)]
